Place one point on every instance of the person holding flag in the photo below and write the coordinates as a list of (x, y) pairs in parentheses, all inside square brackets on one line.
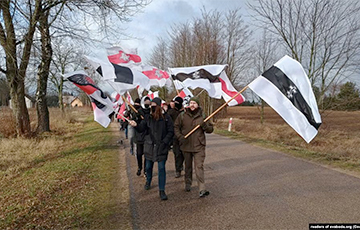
[(159, 130), (193, 147)]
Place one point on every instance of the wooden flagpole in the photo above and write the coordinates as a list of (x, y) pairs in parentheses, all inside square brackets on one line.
[(125, 100), (131, 106), (200, 93), (216, 111)]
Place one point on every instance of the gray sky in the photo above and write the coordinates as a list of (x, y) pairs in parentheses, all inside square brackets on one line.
[(157, 18)]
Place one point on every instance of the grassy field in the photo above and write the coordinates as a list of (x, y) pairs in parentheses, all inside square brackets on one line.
[(68, 178), (337, 143)]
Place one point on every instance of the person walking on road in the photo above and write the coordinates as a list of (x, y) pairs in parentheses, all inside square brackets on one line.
[(179, 157), (193, 147), (143, 113), (159, 130)]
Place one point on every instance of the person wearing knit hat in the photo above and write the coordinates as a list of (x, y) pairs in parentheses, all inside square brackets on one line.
[(195, 99), (193, 147), (137, 101), (159, 130), (178, 155)]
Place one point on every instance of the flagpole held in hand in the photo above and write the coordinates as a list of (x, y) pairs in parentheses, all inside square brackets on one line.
[(216, 111), (131, 106), (125, 100)]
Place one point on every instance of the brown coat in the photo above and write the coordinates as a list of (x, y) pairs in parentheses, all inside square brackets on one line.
[(184, 123)]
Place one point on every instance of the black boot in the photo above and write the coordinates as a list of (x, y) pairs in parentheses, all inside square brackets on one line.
[(147, 186), (163, 196), (138, 173)]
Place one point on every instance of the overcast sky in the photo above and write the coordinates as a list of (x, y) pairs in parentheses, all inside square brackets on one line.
[(157, 18)]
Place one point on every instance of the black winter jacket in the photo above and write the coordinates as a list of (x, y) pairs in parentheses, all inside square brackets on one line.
[(159, 134)]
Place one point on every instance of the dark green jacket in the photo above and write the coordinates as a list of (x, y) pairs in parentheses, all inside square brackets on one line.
[(184, 123)]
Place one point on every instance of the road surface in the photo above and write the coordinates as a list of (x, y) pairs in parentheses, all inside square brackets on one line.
[(250, 188)]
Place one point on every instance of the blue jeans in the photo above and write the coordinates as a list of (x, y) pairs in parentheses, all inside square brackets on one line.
[(161, 173)]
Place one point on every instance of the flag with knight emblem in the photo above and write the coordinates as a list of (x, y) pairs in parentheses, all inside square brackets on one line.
[(287, 89), (211, 78)]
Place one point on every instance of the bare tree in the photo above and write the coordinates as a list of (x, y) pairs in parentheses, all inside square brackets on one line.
[(4, 92), (159, 56), (65, 59), (322, 35), (237, 39), (16, 39), (264, 57)]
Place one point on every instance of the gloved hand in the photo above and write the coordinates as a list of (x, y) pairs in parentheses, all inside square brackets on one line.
[(203, 125)]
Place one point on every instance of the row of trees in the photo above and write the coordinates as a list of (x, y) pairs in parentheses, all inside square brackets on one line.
[(322, 35), (28, 30), (213, 38), (38, 38)]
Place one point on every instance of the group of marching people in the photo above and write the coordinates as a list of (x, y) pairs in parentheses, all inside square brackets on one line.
[(158, 127)]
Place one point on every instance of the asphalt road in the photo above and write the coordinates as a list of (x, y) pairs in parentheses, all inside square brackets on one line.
[(250, 188)]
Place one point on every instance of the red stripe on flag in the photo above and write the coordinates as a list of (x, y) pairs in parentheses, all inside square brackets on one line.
[(88, 89), (182, 94), (224, 88)]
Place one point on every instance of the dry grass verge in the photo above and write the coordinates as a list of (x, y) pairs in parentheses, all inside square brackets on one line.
[(337, 142), (63, 179)]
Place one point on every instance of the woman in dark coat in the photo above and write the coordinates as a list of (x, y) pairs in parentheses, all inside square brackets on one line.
[(159, 130)]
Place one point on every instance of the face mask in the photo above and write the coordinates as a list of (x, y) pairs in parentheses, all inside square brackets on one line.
[(147, 106), (153, 108)]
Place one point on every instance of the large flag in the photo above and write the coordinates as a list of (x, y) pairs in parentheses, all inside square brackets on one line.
[(119, 56), (121, 78), (212, 78), (205, 77), (157, 76), (101, 104), (287, 89)]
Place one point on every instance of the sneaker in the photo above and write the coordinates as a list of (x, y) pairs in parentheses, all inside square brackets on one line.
[(188, 187), (178, 174), (204, 193), (163, 196), (147, 186), (131, 152), (138, 173)]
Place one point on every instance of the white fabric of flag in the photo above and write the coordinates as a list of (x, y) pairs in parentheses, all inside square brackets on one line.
[(211, 78), (287, 89), (204, 77), (121, 78)]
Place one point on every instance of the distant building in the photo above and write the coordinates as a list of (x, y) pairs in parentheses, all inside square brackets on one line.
[(72, 101), (76, 103)]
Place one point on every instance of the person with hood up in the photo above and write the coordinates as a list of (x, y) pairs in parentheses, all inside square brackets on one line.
[(179, 157), (193, 147), (159, 130)]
